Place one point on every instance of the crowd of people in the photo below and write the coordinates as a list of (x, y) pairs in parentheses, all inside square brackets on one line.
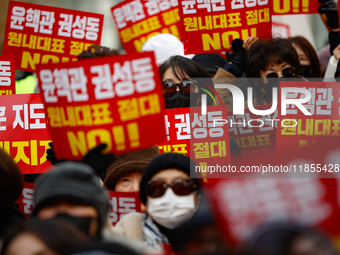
[(71, 204)]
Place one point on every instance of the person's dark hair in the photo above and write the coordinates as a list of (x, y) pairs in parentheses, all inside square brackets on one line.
[(11, 181), (98, 51), (181, 65), (264, 53), (310, 52), (55, 233)]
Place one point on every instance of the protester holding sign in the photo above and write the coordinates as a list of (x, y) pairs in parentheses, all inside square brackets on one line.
[(270, 60), (179, 86), (329, 9), (171, 198), (332, 70), (181, 90)]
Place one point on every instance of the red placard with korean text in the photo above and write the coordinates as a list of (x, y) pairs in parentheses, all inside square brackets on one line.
[(38, 34), (254, 134), (115, 100), (284, 7), (195, 135), (209, 144), (212, 26), (138, 20), (311, 198), (122, 203), (177, 124), (25, 200), (7, 75), (23, 132), (299, 129), (280, 30), (243, 205)]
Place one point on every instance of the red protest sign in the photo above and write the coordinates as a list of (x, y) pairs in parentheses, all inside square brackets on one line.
[(254, 134), (243, 205), (115, 100), (138, 20), (38, 34), (298, 129), (284, 7), (210, 27), (25, 200), (209, 144), (177, 124), (198, 136), (23, 132), (280, 30), (7, 75), (122, 203)]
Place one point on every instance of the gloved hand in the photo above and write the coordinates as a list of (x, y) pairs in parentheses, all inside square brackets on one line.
[(94, 158), (51, 155), (98, 161), (330, 9), (237, 58)]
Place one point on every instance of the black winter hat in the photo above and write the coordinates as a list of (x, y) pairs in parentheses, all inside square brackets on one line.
[(210, 61), (162, 162), (73, 181)]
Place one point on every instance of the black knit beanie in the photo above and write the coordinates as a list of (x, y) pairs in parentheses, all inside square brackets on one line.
[(73, 181), (162, 162)]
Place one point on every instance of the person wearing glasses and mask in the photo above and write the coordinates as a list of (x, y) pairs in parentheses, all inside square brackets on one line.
[(270, 60), (182, 82), (263, 61), (310, 64), (171, 198)]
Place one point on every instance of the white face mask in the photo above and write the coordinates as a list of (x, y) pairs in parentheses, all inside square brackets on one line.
[(171, 210)]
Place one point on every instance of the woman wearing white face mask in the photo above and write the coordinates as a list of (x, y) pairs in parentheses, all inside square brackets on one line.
[(170, 196)]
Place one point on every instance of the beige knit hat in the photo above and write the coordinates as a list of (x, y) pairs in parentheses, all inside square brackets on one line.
[(128, 163)]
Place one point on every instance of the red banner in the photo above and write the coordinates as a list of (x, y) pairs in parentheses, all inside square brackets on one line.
[(7, 75), (254, 134), (41, 34), (244, 205), (280, 30), (115, 100), (25, 200), (202, 137), (311, 198), (298, 129), (177, 124), (138, 20), (212, 26), (23, 132), (284, 7), (122, 203)]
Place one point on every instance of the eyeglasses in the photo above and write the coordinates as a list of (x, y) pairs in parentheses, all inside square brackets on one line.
[(181, 187), (186, 87), (287, 72)]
